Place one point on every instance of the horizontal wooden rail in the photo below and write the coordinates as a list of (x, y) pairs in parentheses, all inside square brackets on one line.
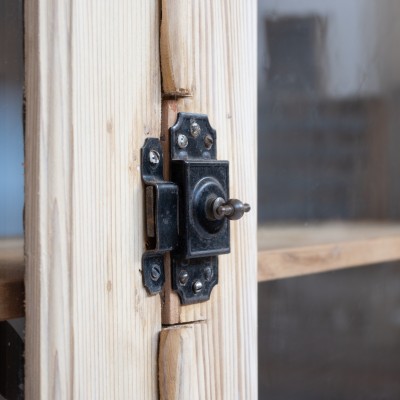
[(12, 271), (284, 251)]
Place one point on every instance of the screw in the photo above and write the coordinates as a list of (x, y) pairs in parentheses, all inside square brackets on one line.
[(195, 129), (208, 273), (182, 141), (208, 141), (154, 157), (197, 286), (183, 277), (155, 272)]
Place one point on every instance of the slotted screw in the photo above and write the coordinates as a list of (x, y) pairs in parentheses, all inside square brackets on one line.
[(155, 272), (182, 141), (183, 278), (154, 157), (197, 287)]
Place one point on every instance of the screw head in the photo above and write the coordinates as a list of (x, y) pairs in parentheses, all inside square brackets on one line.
[(208, 142), (182, 141), (155, 272), (195, 129), (208, 273), (197, 287), (154, 157), (183, 277)]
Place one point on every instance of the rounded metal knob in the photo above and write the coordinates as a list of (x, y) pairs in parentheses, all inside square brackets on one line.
[(233, 209)]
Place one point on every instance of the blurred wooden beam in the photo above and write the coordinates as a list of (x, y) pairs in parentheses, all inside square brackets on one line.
[(12, 278), (286, 251)]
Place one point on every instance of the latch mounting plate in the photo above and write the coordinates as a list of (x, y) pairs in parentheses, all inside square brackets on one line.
[(194, 225)]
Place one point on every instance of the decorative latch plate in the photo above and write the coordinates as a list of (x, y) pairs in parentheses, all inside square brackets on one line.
[(188, 216)]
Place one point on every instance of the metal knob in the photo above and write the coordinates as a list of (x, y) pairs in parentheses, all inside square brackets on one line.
[(232, 209)]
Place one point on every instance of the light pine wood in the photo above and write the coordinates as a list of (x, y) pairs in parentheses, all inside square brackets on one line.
[(93, 94), (290, 235), (11, 278), (284, 251), (176, 47), (223, 63), (295, 250), (179, 365)]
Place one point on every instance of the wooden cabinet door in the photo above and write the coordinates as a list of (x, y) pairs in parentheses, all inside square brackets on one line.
[(93, 94)]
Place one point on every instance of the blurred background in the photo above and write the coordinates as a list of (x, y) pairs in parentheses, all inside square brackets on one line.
[(329, 150), (11, 179), (11, 112)]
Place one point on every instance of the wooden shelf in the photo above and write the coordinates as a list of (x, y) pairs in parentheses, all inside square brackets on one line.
[(12, 271), (284, 251), (291, 250)]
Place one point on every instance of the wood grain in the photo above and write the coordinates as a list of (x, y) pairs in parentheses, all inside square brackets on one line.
[(93, 94), (284, 251), (178, 363), (184, 360), (290, 235), (12, 269), (295, 250), (176, 47), (223, 63)]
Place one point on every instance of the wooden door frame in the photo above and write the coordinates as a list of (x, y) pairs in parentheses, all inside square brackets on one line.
[(93, 94)]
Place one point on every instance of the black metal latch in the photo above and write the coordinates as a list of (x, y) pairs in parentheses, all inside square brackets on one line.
[(188, 216)]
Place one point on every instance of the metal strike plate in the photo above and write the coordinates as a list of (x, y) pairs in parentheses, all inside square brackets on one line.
[(161, 202), (201, 213)]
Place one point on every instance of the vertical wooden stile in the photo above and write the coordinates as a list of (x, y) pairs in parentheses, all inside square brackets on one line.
[(213, 71), (93, 94)]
